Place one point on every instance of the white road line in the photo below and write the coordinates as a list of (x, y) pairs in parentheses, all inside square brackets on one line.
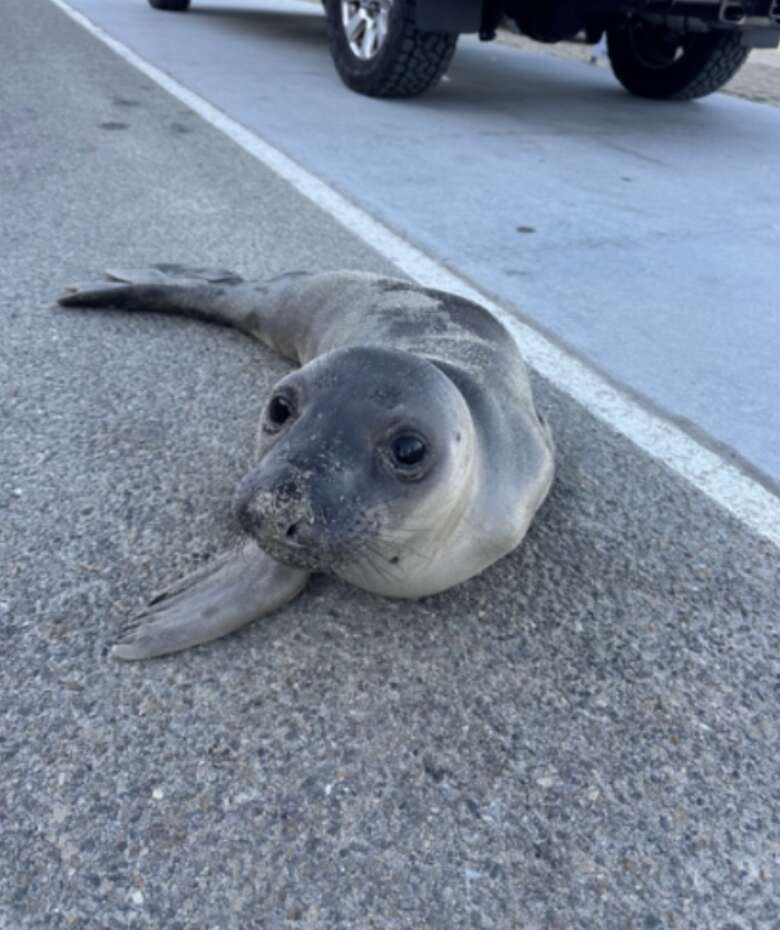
[(743, 497)]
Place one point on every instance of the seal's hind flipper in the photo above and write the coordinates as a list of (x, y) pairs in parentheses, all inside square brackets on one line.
[(213, 295), (173, 273), (94, 294), (235, 589), (169, 286)]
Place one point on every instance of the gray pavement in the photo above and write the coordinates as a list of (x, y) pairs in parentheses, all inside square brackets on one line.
[(586, 736), (643, 235)]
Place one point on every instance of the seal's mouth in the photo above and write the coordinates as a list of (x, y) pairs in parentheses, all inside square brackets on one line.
[(296, 555), (294, 533), (305, 526)]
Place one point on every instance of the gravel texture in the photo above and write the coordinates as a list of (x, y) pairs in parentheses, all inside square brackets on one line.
[(586, 736)]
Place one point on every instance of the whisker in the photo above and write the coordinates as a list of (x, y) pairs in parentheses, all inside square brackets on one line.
[(392, 540), (379, 565)]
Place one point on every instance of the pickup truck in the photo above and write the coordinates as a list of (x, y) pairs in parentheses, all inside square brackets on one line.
[(662, 49)]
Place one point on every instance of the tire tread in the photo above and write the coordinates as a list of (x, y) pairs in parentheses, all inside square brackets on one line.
[(720, 69), (707, 68), (419, 61)]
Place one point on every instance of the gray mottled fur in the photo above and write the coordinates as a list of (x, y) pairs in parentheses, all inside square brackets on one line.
[(356, 335)]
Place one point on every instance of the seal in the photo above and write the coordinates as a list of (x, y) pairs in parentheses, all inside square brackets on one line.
[(404, 456)]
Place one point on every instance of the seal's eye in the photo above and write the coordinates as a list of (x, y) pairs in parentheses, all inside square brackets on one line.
[(408, 450), (280, 409)]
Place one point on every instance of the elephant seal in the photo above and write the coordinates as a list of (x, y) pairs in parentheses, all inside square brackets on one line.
[(404, 456)]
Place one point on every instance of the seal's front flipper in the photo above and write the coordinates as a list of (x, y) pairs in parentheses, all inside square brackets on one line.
[(227, 594)]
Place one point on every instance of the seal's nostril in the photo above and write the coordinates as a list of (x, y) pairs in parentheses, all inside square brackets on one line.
[(288, 489), (292, 531)]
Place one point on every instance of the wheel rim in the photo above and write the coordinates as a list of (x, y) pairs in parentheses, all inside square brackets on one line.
[(365, 26), (656, 47)]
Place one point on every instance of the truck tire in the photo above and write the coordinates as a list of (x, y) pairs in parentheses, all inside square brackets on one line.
[(178, 6), (379, 51), (652, 61)]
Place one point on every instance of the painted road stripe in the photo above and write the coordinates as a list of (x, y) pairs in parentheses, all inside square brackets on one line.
[(735, 491)]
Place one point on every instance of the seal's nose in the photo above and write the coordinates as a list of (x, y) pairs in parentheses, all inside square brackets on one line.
[(287, 489), (272, 507), (292, 534), (250, 504), (249, 514)]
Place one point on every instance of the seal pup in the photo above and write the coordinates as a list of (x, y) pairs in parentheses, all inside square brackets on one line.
[(404, 456)]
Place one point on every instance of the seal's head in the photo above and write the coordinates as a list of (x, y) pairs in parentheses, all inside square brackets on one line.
[(367, 461)]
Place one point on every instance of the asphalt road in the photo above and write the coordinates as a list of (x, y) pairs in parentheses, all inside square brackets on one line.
[(585, 736), (643, 235)]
